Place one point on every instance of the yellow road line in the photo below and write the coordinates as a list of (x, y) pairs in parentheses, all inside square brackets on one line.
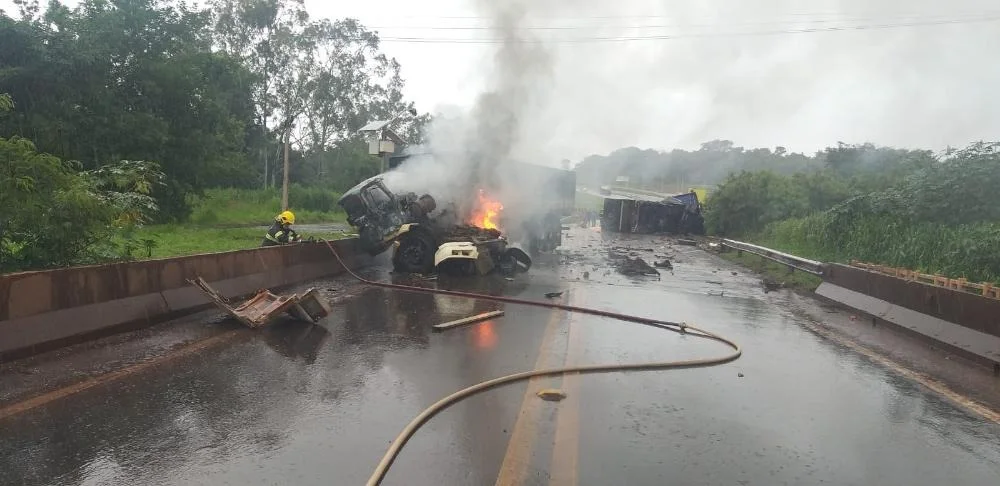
[(191, 348), (563, 470), (517, 459), (75, 388)]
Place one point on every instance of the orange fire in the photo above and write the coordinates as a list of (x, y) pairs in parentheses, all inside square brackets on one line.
[(486, 214)]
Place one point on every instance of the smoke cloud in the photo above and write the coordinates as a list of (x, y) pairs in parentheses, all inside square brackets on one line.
[(474, 150), (762, 73)]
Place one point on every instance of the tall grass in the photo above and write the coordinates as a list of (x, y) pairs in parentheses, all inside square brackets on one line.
[(176, 240), (968, 250), (235, 207)]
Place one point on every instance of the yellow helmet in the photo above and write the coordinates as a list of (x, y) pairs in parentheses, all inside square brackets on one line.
[(286, 217)]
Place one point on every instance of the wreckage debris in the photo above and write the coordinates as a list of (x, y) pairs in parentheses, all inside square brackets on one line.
[(264, 307), (552, 394), (664, 264), (772, 285), (636, 266), (467, 320)]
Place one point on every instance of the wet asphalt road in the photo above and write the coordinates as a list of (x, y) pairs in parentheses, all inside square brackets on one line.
[(298, 404)]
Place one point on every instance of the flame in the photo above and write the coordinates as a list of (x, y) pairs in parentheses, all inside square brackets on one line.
[(486, 214)]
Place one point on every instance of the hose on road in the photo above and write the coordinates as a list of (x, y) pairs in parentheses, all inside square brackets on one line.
[(397, 444)]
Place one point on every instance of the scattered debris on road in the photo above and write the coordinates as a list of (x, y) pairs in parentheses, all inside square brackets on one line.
[(772, 285), (636, 266), (552, 395), (265, 307), (553, 295), (467, 320)]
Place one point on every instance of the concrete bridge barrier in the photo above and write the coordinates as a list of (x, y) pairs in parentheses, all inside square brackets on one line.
[(43, 310), (961, 321)]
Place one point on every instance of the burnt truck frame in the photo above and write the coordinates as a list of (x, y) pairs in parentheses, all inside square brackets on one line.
[(555, 198), (420, 244)]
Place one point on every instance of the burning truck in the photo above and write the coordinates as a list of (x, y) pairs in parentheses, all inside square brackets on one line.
[(473, 233), (422, 243), (531, 215)]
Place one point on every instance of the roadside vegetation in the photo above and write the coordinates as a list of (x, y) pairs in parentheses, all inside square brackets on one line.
[(131, 128), (904, 209), (774, 271), (245, 207), (235, 219)]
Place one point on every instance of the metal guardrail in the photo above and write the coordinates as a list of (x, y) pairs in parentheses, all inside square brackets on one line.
[(792, 261)]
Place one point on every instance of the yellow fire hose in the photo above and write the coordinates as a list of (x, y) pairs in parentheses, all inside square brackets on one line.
[(397, 444)]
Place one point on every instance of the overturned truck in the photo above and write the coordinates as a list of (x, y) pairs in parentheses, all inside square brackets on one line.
[(421, 243), (635, 213)]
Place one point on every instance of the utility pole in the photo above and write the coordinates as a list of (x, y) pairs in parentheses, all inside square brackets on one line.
[(284, 181)]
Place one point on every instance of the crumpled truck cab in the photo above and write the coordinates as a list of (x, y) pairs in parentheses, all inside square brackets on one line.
[(379, 215)]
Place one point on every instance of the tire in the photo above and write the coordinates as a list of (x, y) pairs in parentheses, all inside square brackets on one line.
[(415, 253)]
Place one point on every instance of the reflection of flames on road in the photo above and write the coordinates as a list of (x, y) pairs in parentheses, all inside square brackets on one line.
[(485, 337), (486, 213)]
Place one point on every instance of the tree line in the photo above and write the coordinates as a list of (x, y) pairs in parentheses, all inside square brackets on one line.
[(909, 208), (180, 98), (715, 160)]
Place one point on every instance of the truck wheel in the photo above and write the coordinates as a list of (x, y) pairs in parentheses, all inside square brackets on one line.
[(415, 253), (514, 260)]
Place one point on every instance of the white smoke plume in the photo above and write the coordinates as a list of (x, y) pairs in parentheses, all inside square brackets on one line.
[(470, 151), (763, 73)]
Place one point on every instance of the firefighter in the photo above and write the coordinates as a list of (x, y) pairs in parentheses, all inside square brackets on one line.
[(281, 232)]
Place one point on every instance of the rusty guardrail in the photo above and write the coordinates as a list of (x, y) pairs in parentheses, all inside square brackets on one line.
[(791, 261), (986, 289)]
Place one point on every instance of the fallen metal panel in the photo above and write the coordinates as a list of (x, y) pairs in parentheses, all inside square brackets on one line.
[(264, 307), (970, 340)]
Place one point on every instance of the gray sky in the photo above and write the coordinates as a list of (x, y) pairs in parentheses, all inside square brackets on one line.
[(730, 69)]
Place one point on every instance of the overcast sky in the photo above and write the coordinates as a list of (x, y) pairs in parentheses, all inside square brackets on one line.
[(914, 73)]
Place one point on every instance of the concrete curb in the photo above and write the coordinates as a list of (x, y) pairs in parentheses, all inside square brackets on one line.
[(44, 310)]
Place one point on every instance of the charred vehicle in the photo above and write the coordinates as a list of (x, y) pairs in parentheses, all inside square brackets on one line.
[(421, 243), (535, 222)]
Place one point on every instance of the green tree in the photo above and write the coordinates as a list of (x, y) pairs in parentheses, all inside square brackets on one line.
[(319, 79), (56, 215), (746, 202), (129, 80)]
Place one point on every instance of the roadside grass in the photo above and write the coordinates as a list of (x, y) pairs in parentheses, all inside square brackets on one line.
[(230, 219), (795, 280), (179, 240), (245, 207)]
